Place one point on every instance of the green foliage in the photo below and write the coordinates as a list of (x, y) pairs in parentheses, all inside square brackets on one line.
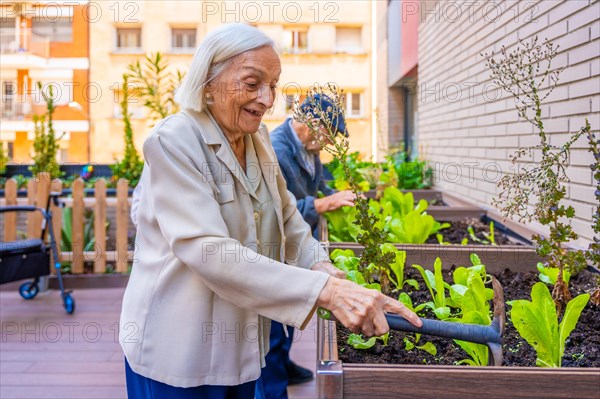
[(346, 261), (436, 286), (131, 166), (67, 230), (411, 342), (45, 146), (373, 263), (490, 237), (475, 309), (341, 225), (3, 159), (356, 167), (411, 175), (395, 171), (358, 342), (394, 214), (536, 192), (397, 268), (537, 322), (156, 84), (549, 275)]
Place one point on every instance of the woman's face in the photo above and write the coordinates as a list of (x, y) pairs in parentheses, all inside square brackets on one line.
[(245, 91)]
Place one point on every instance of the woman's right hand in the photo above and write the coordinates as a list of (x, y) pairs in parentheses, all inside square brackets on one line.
[(360, 309)]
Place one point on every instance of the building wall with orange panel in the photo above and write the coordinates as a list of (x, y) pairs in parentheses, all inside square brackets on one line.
[(79, 47)]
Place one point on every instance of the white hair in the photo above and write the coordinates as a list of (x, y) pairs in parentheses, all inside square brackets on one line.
[(211, 58)]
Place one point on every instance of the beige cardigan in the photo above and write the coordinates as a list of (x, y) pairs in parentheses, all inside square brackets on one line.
[(190, 310)]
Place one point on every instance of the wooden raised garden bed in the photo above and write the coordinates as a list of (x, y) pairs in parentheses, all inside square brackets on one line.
[(337, 380)]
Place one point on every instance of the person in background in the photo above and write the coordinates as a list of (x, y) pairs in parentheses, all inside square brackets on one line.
[(297, 151)]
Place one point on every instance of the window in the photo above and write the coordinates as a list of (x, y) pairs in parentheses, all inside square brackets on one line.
[(129, 39), (183, 40), (57, 30), (9, 92), (10, 150), (353, 104), (348, 40), (295, 40)]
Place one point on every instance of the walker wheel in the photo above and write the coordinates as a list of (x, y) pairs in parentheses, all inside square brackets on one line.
[(69, 303), (29, 290)]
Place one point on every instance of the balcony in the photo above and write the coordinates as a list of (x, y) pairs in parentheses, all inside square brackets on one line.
[(16, 108), (21, 48)]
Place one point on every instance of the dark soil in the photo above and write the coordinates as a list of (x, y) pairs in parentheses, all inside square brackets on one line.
[(459, 231), (582, 348)]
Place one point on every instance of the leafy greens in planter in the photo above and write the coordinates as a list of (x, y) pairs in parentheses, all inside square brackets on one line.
[(537, 322), (395, 214)]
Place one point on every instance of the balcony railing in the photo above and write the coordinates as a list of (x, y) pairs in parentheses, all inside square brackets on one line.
[(23, 41), (15, 107)]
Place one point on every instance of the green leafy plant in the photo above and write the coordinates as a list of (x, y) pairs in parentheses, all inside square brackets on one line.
[(3, 159), (358, 342), (536, 192), (549, 275), (490, 237), (131, 166), (397, 268), (437, 288), (156, 84), (411, 174), (474, 309), (410, 341), (67, 230), (395, 214), (346, 261), (537, 322), (45, 146), (373, 262)]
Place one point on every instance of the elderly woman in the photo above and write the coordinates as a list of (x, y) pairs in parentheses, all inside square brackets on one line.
[(221, 247)]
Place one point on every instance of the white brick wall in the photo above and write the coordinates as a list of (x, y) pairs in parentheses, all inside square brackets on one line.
[(477, 126)]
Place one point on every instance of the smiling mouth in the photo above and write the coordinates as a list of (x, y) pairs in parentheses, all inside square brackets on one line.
[(256, 114)]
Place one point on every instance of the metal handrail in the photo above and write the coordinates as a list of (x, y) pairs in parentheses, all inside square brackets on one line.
[(23, 41)]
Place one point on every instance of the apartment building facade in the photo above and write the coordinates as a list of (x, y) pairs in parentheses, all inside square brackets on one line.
[(45, 42), (318, 42), (465, 126)]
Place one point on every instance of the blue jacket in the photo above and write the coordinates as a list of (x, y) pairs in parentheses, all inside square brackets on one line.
[(296, 172)]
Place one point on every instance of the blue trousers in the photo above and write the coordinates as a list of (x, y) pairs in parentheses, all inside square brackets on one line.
[(139, 387), (273, 380)]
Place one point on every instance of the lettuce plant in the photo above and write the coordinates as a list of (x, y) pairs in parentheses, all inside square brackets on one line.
[(475, 309), (397, 268), (411, 342), (358, 342), (537, 322), (549, 275), (346, 261), (437, 288), (395, 214)]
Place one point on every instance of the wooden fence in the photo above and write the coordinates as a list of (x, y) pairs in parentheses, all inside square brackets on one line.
[(38, 191)]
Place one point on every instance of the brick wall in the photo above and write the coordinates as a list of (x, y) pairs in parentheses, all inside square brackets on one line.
[(468, 129)]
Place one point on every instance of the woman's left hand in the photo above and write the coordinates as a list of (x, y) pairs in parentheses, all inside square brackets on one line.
[(329, 268)]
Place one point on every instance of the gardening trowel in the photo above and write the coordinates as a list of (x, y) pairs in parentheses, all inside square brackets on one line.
[(487, 335)]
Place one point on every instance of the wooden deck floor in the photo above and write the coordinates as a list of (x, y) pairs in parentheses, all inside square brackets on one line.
[(45, 353)]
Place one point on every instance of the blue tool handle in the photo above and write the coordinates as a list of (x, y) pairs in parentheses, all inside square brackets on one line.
[(465, 332)]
